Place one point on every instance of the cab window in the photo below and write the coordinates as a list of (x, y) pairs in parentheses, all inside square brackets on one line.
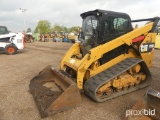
[(114, 27)]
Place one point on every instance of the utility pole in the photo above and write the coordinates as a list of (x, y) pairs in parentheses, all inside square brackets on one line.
[(24, 10)]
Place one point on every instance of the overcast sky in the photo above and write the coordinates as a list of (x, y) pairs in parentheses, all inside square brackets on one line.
[(67, 12)]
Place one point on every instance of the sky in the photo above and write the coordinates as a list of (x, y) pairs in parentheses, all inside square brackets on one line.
[(67, 12)]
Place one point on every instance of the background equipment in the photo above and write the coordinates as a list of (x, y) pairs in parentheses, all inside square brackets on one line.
[(10, 42)]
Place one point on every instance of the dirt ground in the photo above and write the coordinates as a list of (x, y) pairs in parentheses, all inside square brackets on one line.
[(17, 70)]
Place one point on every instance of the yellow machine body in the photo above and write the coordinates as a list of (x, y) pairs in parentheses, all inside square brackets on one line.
[(82, 66)]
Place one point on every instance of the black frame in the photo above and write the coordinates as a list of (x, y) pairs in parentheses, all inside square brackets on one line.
[(101, 16)]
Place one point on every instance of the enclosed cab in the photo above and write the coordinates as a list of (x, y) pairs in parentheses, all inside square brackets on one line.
[(102, 26), (3, 30), (10, 42)]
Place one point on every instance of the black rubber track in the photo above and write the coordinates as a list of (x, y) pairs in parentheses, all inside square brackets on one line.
[(91, 85)]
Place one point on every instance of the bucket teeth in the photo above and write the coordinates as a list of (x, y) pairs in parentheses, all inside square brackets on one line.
[(53, 92)]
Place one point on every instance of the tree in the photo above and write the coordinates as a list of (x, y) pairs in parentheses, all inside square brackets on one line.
[(64, 28), (57, 28), (74, 29), (29, 30), (43, 27)]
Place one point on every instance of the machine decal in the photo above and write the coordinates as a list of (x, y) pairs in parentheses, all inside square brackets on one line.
[(19, 40), (147, 47)]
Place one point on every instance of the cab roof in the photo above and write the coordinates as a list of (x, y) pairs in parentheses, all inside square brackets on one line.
[(94, 12)]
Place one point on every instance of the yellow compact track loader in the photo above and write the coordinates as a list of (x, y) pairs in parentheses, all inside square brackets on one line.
[(111, 59)]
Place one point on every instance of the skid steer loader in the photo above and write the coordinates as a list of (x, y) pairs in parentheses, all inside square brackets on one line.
[(111, 59), (11, 42)]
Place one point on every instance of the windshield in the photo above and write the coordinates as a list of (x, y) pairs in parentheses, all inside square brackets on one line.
[(89, 24), (88, 31), (3, 30)]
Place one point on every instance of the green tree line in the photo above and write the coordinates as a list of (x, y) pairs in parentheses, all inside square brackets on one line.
[(44, 26)]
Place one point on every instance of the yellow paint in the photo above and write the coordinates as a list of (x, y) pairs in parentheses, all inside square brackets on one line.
[(90, 61), (157, 43), (123, 81), (148, 57)]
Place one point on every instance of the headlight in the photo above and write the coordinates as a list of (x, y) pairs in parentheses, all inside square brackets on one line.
[(19, 40)]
